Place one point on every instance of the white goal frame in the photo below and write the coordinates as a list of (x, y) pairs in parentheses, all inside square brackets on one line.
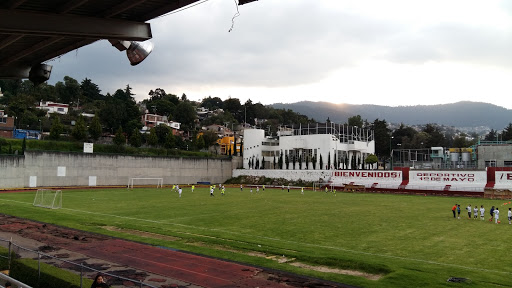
[(159, 184), (318, 185), (48, 198)]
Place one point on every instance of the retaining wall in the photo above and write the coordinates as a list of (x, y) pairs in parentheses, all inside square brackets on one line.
[(57, 169)]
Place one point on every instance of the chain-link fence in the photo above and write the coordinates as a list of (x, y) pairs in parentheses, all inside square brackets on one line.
[(39, 265)]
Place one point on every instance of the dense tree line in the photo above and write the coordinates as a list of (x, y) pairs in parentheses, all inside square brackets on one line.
[(118, 114)]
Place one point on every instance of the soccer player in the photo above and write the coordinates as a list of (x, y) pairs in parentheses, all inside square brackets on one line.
[(328, 190), (453, 210), (482, 212), (302, 190), (211, 191), (223, 190), (475, 212), (241, 188), (492, 213), (469, 211), (282, 188), (257, 189), (193, 188), (263, 187), (509, 215), (496, 215), (179, 191), (288, 188), (458, 211), (173, 187), (251, 190)]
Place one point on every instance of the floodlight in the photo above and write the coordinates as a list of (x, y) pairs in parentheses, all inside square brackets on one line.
[(135, 51), (40, 73)]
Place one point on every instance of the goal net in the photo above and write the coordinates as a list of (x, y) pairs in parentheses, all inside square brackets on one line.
[(48, 198), (147, 182)]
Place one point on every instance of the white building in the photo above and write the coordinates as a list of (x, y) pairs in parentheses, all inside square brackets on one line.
[(53, 107), (342, 144)]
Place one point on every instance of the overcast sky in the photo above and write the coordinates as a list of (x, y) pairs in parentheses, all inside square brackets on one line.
[(357, 52)]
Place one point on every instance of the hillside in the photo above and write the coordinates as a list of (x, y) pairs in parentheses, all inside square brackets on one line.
[(460, 114)]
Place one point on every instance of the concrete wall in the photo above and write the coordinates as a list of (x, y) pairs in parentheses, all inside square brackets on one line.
[(497, 153), (44, 169)]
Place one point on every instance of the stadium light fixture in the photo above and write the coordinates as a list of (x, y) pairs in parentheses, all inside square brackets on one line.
[(135, 51)]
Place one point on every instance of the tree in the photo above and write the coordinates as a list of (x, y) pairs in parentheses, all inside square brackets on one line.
[(119, 138), (281, 160), (234, 144), (162, 131), (186, 115), (135, 139), (293, 162), (274, 167), (90, 91), (24, 146), (313, 161), (491, 136), (506, 135), (286, 161), (355, 121), (329, 160), (79, 131), (170, 140), (56, 128), (382, 138), (300, 162), (335, 161), (95, 128), (263, 163), (307, 163), (371, 159), (321, 162), (152, 138)]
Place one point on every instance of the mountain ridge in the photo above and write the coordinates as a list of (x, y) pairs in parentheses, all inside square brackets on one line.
[(458, 114)]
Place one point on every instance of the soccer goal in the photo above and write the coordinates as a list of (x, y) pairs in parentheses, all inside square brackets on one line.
[(146, 182), (48, 198)]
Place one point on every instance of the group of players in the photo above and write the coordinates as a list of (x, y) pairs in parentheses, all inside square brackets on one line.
[(473, 213)]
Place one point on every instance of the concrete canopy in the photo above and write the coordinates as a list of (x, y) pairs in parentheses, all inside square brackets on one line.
[(35, 31)]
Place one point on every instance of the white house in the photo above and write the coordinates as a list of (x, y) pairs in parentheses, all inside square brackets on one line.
[(153, 120), (342, 144), (53, 107)]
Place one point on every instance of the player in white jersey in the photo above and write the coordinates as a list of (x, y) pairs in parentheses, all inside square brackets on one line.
[(496, 215), (469, 210), (179, 191), (482, 212), (211, 190), (475, 212), (257, 189), (509, 215)]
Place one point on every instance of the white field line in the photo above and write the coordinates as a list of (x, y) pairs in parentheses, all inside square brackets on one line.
[(279, 240)]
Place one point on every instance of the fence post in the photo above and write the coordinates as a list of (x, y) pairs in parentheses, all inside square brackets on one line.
[(81, 274), (9, 256), (38, 269)]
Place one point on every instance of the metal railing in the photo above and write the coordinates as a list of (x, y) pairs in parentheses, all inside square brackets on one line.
[(85, 271)]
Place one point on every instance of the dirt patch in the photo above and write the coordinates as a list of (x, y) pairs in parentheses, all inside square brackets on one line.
[(278, 258), (338, 271), (141, 233)]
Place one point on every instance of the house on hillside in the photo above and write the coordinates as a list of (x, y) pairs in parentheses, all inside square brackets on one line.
[(6, 125), (153, 120), (52, 107)]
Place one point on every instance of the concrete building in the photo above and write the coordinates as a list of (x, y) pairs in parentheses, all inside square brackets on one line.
[(494, 154), (6, 125), (344, 145), (153, 120)]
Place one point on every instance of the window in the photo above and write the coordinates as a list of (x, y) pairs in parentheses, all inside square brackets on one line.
[(3, 120), (507, 163), (491, 163)]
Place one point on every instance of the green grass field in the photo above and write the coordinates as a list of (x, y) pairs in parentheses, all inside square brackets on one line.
[(403, 241)]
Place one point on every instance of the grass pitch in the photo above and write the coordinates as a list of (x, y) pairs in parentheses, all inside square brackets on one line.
[(379, 240)]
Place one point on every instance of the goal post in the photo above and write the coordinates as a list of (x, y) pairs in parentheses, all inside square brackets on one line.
[(146, 182), (48, 198)]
